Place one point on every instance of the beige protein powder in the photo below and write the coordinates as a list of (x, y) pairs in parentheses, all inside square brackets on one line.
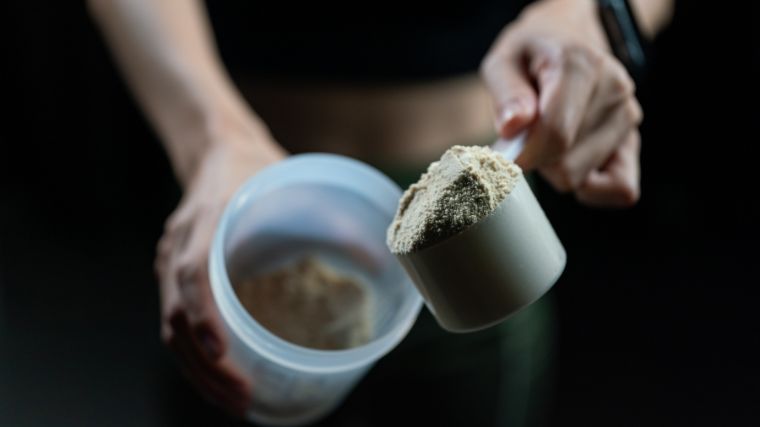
[(463, 187), (310, 304)]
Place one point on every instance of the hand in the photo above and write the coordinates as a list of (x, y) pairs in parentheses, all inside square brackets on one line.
[(551, 73), (191, 324)]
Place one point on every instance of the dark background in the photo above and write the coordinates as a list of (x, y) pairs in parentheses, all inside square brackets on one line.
[(657, 309)]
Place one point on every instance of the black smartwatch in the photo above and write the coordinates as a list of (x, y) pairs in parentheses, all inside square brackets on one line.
[(624, 36)]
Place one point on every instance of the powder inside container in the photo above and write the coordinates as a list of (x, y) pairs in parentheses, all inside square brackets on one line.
[(310, 304), (463, 187)]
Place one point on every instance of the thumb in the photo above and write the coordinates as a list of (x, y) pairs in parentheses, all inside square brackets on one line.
[(515, 116), (513, 93)]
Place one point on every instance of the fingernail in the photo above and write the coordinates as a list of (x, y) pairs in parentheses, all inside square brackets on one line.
[(504, 116), (508, 112), (211, 345)]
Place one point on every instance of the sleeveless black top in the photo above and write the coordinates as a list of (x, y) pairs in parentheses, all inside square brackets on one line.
[(390, 41)]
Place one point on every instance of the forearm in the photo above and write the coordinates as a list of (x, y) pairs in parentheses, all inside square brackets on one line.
[(652, 15), (165, 50)]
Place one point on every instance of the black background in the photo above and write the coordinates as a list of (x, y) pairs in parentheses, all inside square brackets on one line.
[(657, 309)]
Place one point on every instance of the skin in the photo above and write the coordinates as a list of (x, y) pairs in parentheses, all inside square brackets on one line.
[(550, 74), (553, 76)]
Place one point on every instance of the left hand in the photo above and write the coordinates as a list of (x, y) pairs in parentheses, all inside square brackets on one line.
[(551, 73), (191, 325)]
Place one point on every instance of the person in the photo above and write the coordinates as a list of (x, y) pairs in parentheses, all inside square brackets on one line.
[(316, 80)]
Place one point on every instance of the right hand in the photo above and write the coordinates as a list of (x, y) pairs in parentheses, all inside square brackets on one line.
[(190, 321), (551, 72)]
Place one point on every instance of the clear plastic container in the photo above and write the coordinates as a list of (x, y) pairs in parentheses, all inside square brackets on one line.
[(338, 210)]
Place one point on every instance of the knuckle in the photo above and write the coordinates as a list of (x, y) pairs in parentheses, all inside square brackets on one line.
[(560, 138), (563, 57), (580, 58), (561, 178), (204, 209), (622, 83), (182, 217), (630, 194), (566, 176), (163, 253), (172, 222), (633, 112), (488, 65), (187, 274)]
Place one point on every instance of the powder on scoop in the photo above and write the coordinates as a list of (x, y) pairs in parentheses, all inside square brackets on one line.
[(463, 187)]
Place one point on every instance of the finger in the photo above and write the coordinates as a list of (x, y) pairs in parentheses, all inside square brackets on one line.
[(615, 87), (216, 382), (566, 80), (183, 214), (174, 239), (163, 254), (514, 96), (594, 147), (171, 299), (617, 183), (177, 283), (193, 280), (203, 316), (177, 334)]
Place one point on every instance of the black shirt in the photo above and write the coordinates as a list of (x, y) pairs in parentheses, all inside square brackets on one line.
[(388, 41)]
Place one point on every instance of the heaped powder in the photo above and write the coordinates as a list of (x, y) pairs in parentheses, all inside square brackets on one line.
[(310, 304), (463, 187)]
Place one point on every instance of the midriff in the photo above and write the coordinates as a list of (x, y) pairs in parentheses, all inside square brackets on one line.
[(400, 125)]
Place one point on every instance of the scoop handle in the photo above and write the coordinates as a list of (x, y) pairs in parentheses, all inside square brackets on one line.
[(510, 148)]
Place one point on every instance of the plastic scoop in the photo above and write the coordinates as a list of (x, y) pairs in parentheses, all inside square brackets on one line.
[(494, 268)]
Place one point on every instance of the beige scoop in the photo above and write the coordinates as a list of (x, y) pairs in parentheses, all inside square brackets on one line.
[(495, 267)]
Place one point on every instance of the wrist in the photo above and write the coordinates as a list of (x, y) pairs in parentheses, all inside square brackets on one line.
[(575, 20), (652, 15), (191, 140)]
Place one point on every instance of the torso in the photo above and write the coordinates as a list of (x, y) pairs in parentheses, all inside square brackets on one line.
[(396, 86), (405, 125)]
